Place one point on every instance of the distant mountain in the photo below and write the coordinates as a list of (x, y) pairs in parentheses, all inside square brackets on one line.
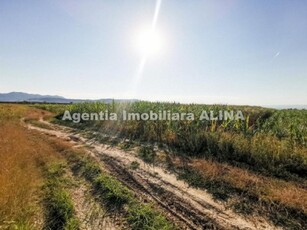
[(27, 97), (20, 96)]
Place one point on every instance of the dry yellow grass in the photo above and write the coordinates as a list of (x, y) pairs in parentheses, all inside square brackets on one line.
[(21, 154), (288, 193)]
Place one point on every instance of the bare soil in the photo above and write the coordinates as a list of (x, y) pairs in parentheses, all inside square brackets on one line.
[(187, 207), (89, 210)]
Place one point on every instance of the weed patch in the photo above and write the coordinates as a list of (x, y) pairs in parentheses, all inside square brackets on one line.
[(117, 197), (58, 204)]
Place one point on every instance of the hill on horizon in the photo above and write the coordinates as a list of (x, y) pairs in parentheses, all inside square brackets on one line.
[(32, 98), (28, 97)]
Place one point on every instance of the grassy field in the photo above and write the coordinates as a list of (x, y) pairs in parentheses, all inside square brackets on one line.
[(258, 165), (255, 167), (35, 183), (31, 196), (22, 153), (269, 141)]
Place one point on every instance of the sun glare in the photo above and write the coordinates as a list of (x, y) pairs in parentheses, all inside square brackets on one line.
[(150, 43)]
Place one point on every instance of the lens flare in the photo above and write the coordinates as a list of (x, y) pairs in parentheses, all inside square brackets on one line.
[(150, 43)]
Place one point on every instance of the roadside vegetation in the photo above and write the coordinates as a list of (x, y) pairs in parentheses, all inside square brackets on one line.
[(257, 166), (32, 194), (115, 196), (57, 201), (284, 203), (269, 141), (35, 188), (21, 156)]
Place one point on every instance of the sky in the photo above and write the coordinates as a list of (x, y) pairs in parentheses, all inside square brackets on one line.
[(228, 51)]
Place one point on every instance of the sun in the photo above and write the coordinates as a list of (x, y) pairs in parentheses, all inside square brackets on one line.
[(150, 43)]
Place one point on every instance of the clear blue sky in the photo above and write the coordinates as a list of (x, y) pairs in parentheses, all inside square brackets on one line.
[(236, 52)]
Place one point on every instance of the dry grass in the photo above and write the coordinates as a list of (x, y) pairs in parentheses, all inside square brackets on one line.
[(283, 202), (21, 155), (23, 152), (291, 194)]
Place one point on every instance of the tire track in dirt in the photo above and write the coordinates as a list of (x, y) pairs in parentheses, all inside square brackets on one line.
[(178, 208), (89, 211), (186, 206)]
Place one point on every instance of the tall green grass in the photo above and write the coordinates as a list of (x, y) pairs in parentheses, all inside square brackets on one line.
[(270, 141)]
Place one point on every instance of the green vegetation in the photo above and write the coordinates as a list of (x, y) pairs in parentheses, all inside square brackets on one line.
[(23, 152), (54, 108), (288, 124), (144, 217), (116, 196), (58, 204), (236, 161), (269, 141), (147, 154), (134, 165), (38, 124)]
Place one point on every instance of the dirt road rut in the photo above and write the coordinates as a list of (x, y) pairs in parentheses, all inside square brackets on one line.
[(188, 207)]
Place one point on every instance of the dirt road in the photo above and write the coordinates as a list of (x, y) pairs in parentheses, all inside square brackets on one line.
[(188, 207)]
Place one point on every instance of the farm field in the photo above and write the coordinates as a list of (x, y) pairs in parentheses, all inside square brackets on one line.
[(47, 183), (247, 174), (153, 115), (272, 142)]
